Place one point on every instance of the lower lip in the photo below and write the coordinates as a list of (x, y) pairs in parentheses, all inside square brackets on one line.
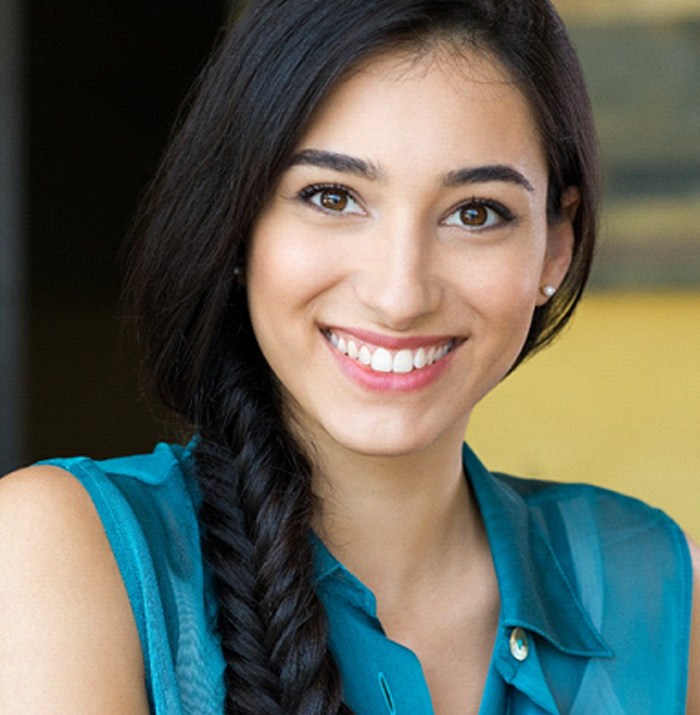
[(369, 379)]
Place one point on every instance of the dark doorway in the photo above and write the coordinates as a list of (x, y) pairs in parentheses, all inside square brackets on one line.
[(103, 81)]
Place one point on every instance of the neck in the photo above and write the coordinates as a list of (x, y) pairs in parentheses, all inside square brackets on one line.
[(398, 522)]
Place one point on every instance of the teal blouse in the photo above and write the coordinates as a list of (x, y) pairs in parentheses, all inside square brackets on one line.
[(595, 595)]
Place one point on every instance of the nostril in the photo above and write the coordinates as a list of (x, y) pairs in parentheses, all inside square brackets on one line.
[(386, 691), (397, 292)]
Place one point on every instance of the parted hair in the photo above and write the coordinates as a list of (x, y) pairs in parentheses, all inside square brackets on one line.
[(245, 116)]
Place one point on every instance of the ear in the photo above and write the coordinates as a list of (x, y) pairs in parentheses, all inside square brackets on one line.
[(560, 244)]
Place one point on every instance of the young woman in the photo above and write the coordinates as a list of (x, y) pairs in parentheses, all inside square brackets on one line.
[(372, 212)]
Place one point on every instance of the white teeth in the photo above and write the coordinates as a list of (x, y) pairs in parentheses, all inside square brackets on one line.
[(383, 360), (403, 361)]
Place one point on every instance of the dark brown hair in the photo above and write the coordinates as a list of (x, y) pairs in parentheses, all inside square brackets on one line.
[(248, 112)]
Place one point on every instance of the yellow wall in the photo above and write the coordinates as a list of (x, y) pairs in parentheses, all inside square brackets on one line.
[(626, 10), (615, 401)]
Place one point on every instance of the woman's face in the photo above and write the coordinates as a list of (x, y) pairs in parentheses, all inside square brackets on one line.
[(393, 275)]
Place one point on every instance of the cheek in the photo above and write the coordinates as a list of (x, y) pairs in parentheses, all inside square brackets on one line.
[(502, 282), (506, 319), (286, 273), (286, 261), (273, 272), (502, 296)]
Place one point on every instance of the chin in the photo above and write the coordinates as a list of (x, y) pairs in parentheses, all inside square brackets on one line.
[(382, 441)]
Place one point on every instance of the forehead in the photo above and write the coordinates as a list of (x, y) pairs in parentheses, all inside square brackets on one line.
[(445, 100), (461, 60)]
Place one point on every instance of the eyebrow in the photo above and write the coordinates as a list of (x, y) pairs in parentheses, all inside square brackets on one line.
[(337, 162), (484, 174), (461, 177)]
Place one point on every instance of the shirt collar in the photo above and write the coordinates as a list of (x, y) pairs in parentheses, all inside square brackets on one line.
[(334, 578), (535, 592)]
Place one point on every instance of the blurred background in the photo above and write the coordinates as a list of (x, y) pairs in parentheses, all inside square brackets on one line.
[(616, 400), (88, 92)]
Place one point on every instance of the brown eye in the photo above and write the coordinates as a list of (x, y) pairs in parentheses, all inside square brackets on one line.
[(474, 215), (479, 215), (333, 200)]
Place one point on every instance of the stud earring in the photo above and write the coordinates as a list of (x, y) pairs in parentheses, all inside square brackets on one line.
[(238, 273), (548, 290)]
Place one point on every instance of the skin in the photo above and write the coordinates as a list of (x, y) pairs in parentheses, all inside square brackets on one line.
[(381, 249), (693, 706), (393, 265), (68, 640), (363, 238), (394, 260)]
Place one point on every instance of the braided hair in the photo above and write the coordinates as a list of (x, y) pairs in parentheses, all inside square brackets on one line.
[(244, 118)]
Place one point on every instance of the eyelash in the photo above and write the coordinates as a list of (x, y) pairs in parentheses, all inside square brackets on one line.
[(505, 215), (309, 192)]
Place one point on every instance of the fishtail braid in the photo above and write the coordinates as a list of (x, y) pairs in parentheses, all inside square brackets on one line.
[(256, 513)]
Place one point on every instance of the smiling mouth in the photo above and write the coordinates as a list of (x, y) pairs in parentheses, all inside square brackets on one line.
[(382, 360)]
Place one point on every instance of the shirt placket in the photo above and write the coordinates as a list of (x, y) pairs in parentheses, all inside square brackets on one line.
[(517, 673)]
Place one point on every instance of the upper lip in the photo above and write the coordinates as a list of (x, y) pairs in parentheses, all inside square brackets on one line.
[(390, 342)]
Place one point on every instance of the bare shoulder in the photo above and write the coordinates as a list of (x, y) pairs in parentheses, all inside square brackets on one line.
[(693, 707), (68, 640)]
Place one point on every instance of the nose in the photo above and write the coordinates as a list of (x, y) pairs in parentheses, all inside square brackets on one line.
[(398, 281)]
